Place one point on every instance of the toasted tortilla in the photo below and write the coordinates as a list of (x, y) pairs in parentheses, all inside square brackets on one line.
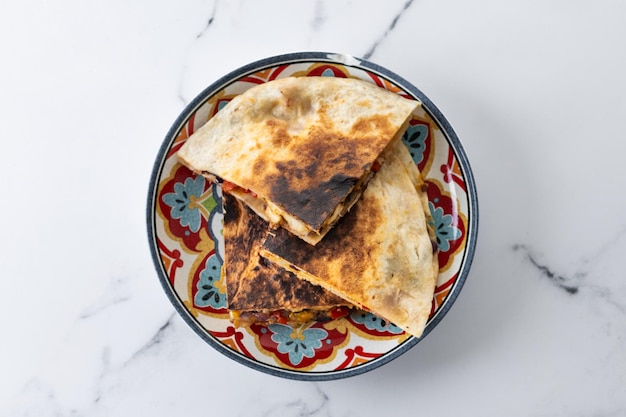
[(416, 178), (300, 150), (257, 290), (380, 256)]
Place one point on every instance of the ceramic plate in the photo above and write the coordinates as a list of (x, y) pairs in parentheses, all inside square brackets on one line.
[(185, 222)]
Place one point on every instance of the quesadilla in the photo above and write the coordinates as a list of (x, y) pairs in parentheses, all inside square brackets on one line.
[(381, 256), (300, 150), (259, 291)]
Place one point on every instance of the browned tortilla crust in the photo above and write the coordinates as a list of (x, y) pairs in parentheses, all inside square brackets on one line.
[(303, 144), (378, 256), (254, 283), (322, 167), (341, 258)]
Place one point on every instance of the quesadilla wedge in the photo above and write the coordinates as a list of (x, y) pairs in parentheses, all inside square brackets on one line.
[(300, 150), (380, 256), (259, 291)]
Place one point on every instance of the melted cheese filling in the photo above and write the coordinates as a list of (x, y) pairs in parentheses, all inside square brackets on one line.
[(292, 318)]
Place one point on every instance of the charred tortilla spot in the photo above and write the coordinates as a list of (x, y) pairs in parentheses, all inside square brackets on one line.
[(285, 286), (253, 282), (378, 123), (231, 211), (259, 167), (350, 236), (272, 287), (315, 204), (264, 262), (320, 166), (303, 294), (280, 136)]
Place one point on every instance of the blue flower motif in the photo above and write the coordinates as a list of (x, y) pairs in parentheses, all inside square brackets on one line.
[(298, 344), (183, 202), (445, 231), (373, 322), (415, 138), (221, 105), (211, 290)]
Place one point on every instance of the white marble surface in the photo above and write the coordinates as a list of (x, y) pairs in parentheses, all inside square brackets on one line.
[(536, 92)]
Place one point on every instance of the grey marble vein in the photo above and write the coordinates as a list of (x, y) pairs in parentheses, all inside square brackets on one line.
[(40, 399), (116, 293), (607, 296), (315, 404), (181, 97), (566, 283), (108, 369), (574, 283), (210, 21), (389, 29), (156, 339), (201, 34), (597, 255)]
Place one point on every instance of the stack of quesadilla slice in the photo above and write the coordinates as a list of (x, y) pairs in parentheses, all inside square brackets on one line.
[(324, 207), (299, 151), (259, 291)]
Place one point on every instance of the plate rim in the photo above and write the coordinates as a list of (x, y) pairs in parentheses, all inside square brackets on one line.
[(349, 61)]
